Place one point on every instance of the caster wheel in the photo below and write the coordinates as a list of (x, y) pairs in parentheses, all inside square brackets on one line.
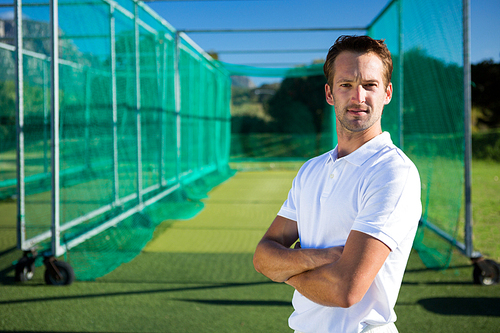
[(486, 272), (58, 273), (25, 269)]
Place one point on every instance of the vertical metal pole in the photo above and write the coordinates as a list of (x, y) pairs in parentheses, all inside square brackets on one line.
[(401, 74), (114, 105), (86, 139), (163, 108), (202, 116), (218, 120), (177, 89), (467, 130), (227, 111), (21, 222), (159, 108), (189, 144), (138, 102), (226, 122), (54, 24), (46, 120)]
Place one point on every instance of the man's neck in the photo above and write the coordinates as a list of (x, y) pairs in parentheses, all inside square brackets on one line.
[(348, 142)]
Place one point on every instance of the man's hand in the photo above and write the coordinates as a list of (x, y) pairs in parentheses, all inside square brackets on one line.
[(344, 282), (275, 259)]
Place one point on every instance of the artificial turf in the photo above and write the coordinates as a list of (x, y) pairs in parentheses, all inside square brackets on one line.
[(196, 275)]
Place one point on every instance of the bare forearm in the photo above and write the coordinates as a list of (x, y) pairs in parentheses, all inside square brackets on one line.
[(279, 263), (322, 287), (344, 282), (275, 259)]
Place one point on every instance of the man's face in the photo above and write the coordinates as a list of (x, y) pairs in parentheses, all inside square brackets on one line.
[(358, 92)]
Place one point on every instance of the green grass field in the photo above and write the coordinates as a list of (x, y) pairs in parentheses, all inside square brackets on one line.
[(196, 275)]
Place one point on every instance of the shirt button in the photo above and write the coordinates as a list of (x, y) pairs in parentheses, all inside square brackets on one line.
[(331, 176)]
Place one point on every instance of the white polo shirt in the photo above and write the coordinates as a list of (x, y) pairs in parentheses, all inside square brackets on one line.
[(374, 190)]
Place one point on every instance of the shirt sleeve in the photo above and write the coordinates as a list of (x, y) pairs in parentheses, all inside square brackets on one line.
[(389, 203), (288, 209)]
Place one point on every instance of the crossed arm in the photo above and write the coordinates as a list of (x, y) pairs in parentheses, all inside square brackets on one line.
[(336, 276)]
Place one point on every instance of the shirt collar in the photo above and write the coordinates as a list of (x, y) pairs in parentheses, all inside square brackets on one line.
[(363, 153)]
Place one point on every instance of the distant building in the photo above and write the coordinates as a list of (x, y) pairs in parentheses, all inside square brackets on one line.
[(242, 81)]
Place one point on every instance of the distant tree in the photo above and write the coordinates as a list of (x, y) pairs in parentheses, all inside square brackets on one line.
[(7, 115), (433, 95), (485, 88), (299, 105)]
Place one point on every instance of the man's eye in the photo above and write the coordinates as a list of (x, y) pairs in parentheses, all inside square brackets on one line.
[(345, 85)]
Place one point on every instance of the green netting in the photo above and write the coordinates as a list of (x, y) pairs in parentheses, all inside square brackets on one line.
[(433, 121), (425, 116), (302, 71), (144, 130)]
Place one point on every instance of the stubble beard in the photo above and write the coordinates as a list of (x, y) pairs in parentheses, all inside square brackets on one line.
[(357, 124)]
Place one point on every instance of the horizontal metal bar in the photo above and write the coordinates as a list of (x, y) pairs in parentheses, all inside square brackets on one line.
[(8, 46), (274, 64), (268, 51), (86, 217), (119, 218), (271, 30), (30, 243), (459, 245)]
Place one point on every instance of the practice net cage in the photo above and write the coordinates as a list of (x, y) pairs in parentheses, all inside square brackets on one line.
[(123, 122), (431, 103)]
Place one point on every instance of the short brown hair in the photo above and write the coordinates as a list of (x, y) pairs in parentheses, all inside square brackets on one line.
[(360, 44)]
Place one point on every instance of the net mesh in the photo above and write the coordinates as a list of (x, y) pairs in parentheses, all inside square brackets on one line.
[(425, 116), (144, 128)]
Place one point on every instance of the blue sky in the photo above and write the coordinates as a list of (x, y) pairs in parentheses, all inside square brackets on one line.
[(258, 14), (263, 14)]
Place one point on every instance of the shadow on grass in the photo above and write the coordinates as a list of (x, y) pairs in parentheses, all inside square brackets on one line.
[(134, 292), (24, 331), (7, 257), (430, 269), (237, 302), (439, 283), (463, 306)]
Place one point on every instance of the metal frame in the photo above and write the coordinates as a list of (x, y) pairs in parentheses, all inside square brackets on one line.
[(468, 248), (155, 192), (20, 174), (186, 176), (465, 248)]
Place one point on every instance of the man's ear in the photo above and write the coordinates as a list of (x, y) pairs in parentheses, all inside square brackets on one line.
[(328, 94), (388, 93)]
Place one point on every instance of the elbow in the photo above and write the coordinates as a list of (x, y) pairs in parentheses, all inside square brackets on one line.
[(351, 296), (349, 300), (259, 262), (260, 266), (256, 263), (338, 301)]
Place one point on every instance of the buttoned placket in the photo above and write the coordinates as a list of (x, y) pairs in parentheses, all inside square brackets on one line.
[(334, 169)]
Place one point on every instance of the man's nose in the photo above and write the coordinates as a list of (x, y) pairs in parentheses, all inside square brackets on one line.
[(359, 95)]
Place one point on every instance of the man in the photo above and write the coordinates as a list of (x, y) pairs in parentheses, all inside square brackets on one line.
[(355, 209)]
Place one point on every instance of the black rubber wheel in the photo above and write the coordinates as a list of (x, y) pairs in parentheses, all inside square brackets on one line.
[(486, 272), (25, 269), (66, 274)]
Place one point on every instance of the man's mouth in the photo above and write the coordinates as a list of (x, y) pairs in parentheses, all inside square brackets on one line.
[(357, 111)]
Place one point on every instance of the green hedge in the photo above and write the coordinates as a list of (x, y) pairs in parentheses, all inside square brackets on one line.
[(486, 145)]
